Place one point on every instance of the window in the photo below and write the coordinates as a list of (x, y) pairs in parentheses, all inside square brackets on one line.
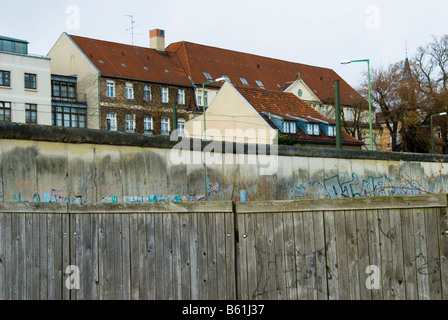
[(244, 81), (69, 117), (5, 77), (63, 90), (349, 114), (332, 131), (260, 84), (165, 126), (148, 124), (181, 96), (111, 119), (130, 123), (312, 129), (5, 112), (30, 81), (292, 127), (208, 76), (129, 91), (147, 93), (200, 98), (164, 94), (285, 127), (31, 113), (181, 128), (110, 89)]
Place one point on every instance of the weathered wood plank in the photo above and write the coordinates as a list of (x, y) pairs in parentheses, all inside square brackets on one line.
[(150, 262), (212, 258), (126, 256), (260, 248), (309, 256), (142, 257), (320, 267), (410, 270), (290, 257), (386, 257), (4, 256), (433, 268), (421, 255), (331, 256), (363, 253), (364, 203), (442, 220), (398, 286), (42, 257), (352, 255), (341, 250), (194, 256), (118, 256), (202, 258), (374, 248), (230, 256), (134, 257), (186, 282), (300, 266)]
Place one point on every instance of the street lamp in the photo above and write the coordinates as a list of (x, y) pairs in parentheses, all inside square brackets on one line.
[(203, 100), (370, 97), (432, 129)]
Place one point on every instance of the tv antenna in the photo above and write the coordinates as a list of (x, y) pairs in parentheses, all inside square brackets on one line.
[(132, 26)]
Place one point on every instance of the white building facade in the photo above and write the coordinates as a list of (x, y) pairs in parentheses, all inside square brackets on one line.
[(25, 84)]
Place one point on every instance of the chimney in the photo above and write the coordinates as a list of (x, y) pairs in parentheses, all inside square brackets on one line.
[(157, 39)]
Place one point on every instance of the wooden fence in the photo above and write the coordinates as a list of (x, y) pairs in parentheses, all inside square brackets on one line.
[(309, 249)]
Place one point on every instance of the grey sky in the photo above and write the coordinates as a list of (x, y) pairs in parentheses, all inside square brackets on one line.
[(320, 33)]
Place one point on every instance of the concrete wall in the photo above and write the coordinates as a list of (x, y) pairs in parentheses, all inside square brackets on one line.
[(47, 164)]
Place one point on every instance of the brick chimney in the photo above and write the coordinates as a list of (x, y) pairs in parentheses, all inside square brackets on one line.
[(157, 39)]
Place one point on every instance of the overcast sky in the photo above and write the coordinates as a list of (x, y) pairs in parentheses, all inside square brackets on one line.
[(320, 33)]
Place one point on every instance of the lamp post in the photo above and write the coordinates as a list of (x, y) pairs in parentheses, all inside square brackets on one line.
[(370, 97), (432, 129), (203, 101)]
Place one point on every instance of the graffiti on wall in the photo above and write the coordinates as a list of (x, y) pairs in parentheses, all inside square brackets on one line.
[(353, 186)]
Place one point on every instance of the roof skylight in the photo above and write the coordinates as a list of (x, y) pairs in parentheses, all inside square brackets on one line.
[(208, 76), (260, 84), (244, 81)]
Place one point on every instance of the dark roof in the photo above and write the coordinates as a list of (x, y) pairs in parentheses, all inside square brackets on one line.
[(289, 107), (274, 74), (132, 62)]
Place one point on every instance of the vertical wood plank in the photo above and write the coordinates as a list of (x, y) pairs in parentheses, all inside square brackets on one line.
[(260, 248), (290, 257), (142, 258), (331, 255), (186, 280), (352, 255), (271, 284), (126, 256), (398, 274), (202, 257), (309, 256), (421, 255), (250, 258), (42, 257), (118, 256), (159, 256), (363, 253), (4, 246), (194, 256), (300, 252), (65, 251), (374, 247), (150, 262), (442, 221), (167, 263), (134, 256), (230, 256), (387, 276), (176, 256), (211, 249), (341, 250), (433, 267), (221, 265), (410, 270), (320, 256), (279, 257)]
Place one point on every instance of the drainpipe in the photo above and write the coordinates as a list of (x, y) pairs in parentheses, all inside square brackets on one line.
[(338, 115)]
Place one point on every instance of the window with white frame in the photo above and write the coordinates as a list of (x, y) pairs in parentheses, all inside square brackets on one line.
[(110, 89), (165, 126), (111, 119), (332, 131), (181, 128), (181, 96), (129, 91), (164, 94), (312, 129), (147, 92), (285, 127), (292, 127), (148, 124), (130, 122)]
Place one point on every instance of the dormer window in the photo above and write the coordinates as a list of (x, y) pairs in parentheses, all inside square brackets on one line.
[(289, 127), (331, 131), (312, 129)]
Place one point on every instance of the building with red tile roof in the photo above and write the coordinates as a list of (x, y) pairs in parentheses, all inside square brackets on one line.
[(254, 115)]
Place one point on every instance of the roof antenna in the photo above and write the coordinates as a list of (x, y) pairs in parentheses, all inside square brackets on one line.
[(132, 26)]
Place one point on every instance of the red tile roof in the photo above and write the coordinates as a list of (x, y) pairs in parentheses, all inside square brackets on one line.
[(132, 62), (288, 106), (274, 74)]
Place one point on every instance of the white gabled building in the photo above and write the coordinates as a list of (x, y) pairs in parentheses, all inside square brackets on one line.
[(25, 84)]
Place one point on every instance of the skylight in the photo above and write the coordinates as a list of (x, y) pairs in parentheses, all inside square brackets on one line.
[(101, 61), (260, 84), (208, 76), (123, 65), (244, 81)]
